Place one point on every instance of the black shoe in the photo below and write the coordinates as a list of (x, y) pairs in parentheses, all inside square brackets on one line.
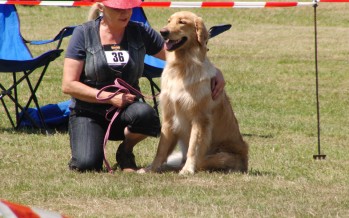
[(126, 160)]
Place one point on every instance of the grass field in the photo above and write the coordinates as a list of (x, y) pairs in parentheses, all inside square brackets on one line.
[(268, 62)]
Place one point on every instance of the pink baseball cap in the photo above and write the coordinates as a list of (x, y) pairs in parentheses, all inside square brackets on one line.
[(122, 4)]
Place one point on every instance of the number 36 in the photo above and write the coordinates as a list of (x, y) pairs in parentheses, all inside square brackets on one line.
[(118, 57)]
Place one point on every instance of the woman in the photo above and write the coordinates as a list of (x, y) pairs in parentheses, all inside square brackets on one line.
[(90, 64)]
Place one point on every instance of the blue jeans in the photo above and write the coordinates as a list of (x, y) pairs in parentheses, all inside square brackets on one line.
[(87, 131)]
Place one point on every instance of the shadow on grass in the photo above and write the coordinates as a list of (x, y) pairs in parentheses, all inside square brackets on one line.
[(30, 130), (252, 172), (257, 135), (256, 172)]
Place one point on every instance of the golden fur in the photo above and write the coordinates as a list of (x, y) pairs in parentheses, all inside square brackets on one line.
[(206, 128)]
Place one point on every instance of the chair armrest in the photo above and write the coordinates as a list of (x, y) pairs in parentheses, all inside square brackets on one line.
[(66, 31), (218, 29), (10, 66)]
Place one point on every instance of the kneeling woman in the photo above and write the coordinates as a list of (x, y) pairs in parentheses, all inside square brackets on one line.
[(90, 64)]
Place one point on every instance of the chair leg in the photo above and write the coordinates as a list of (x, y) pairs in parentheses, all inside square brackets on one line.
[(18, 107), (15, 98), (34, 98), (20, 111), (154, 99), (7, 112), (154, 86)]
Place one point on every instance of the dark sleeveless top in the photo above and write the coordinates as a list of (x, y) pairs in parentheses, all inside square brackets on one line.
[(97, 72)]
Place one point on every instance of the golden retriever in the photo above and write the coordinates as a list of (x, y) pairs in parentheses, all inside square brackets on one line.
[(206, 128)]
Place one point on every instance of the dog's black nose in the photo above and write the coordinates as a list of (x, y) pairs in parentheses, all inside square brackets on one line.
[(164, 32)]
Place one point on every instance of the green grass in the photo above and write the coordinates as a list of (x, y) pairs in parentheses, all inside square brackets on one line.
[(268, 62)]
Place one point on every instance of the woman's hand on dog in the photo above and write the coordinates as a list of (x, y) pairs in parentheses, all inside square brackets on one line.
[(217, 84)]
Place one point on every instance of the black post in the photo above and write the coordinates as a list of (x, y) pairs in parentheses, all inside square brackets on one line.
[(318, 156)]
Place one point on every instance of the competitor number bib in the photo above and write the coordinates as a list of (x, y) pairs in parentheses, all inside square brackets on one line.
[(117, 58)]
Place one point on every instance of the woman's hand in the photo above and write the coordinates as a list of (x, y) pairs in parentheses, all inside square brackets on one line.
[(122, 100), (217, 84)]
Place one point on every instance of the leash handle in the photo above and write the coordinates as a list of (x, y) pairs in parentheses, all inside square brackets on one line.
[(120, 89), (121, 83)]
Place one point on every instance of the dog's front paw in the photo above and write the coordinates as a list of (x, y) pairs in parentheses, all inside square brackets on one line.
[(144, 170), (189, 167), (185, 171), (150, 169)]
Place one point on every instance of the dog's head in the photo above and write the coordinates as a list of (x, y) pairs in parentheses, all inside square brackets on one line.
[(184, 29)]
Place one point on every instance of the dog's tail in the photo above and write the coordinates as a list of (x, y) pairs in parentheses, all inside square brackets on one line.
[(94, 12), (224, 161)]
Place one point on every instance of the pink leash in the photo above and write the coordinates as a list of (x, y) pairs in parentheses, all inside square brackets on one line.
[(122, 87)]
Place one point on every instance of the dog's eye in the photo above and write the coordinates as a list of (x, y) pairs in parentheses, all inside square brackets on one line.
[(181, 22)]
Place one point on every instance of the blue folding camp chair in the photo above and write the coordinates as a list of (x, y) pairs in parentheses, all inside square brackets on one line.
[(17, 60), (153, 66)]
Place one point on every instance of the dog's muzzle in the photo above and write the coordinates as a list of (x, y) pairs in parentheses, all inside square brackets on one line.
[(164, 33)]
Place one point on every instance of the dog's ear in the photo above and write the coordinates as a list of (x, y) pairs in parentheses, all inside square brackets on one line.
[(201, 31)]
